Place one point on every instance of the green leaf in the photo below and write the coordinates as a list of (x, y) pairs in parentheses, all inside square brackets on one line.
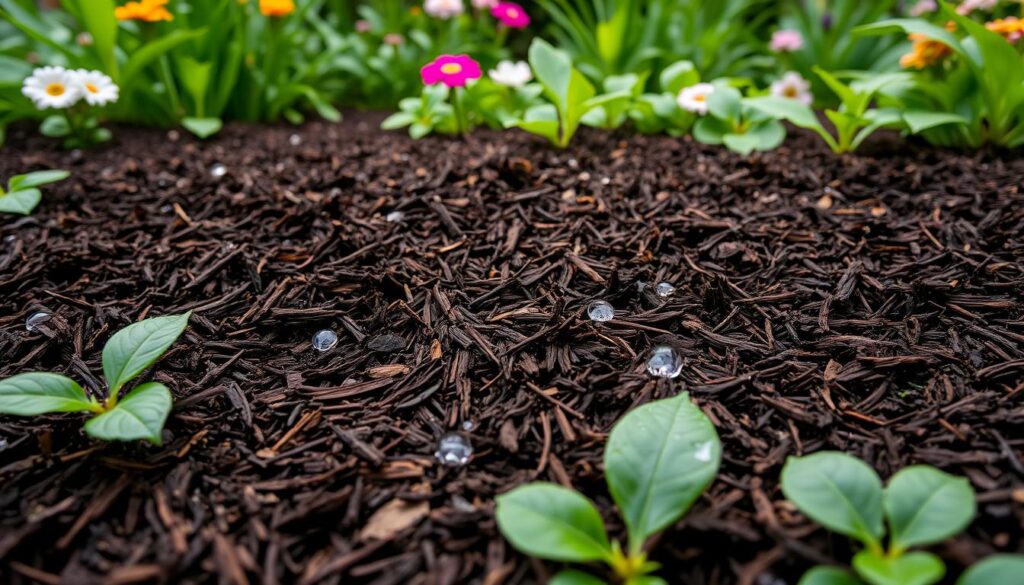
[(918, 121), (20, 202), (397, 120), (98, 19), (911, 26), (202, 127), (573, 577), (660, 457), (553, 69), (725, 103), (828, 576), (740, 143), (925, 506), (792, 111), (541, 120), (840, 492), (36, 179), (552, 522), (140, 415), (152, 50), (55, 126), (40, 392), (995, 570), (677, 76), (917, 568), (137, 346)]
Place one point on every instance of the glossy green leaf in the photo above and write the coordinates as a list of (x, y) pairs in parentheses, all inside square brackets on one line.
[(552, 522), (36, 179), (137, 346), (925, 506), (202, 127), (40, 392), (141, 414), (918, 121), (916, 568), (838, 491), (792, 111), (55, 126), (659, 458), (725, 103), (20, 202), (677, 76), (995, 570), (573, 577), (829, 576)]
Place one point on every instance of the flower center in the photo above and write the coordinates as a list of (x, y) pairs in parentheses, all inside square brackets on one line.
[(512, 13), (55, 89), (700, 97), (789, 92), (451, 68), (92, 88)]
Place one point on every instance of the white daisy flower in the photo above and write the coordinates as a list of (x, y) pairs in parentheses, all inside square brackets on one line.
[(794, 87), (443, 8), (511, 73), (695, 98), (97, 88), (51, 87)]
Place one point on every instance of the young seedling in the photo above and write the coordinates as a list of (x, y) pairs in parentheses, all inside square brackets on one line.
[(659, 459), (921, 505), (570, 93), (140, 414), (429, 113), (732, 122), (855, 120), (22, 195)]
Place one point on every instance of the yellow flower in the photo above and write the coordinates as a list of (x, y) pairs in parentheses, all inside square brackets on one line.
[(925, 52), (1012, 28), (144, 10), (276, 8)]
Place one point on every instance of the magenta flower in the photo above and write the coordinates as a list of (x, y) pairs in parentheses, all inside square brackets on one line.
[(511, 15), (786, 41), (451, 70)]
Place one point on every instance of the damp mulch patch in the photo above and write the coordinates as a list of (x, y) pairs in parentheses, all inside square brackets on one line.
[(872, 304)]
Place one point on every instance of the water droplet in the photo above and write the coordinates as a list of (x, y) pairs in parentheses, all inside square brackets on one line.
[(605, 180), (453, 450), (218, 170), (703, 452), (325, 340), (36, 319), (665, 362), (664, 289), (4, 444), (468, 425), (395, 217), (295, 140), (600, 311)]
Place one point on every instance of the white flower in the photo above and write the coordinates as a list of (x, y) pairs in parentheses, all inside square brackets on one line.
[(695, 98), (794, 87), (511, 73), (97, 89), (484, 4), (443, 8), (51, 87)]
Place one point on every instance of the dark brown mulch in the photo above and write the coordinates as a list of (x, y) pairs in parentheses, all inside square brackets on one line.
[(868, 303)]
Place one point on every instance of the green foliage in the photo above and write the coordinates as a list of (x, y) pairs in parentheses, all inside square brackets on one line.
[(995, 570), (659, 459), (921, 506), (430, 113), (22, 194), (732, 122), (139, 415)]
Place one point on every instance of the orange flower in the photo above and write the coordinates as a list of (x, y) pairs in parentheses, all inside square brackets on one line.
[(144, 10), (276, 8), (925, 52), (1012, 28)]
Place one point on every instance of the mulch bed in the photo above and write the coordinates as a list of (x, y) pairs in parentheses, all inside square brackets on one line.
[(870, 303)]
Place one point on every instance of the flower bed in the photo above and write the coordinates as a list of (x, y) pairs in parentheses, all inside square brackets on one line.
[(867, 304)]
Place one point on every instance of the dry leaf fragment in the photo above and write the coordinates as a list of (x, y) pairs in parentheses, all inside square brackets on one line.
[(392, 518)]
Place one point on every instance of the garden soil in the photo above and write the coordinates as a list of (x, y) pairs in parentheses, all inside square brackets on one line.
[(869, 303)]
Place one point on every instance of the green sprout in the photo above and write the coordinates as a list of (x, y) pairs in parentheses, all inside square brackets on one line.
[(22, 194)]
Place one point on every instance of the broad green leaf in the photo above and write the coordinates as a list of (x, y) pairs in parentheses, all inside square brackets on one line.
[(20, 202), (725, 103), (137, 346), (916, 568), (995, 570), (840, 492), (925, 506), (552, 522), (646, 580), (36, 179), (140, 415), (553, 69), (202, 127), (918, 121), (573, 577), (792, 111), (740, 143), (541, 120), (55, 126), (141, 58), (659, 458), (397, 120), (677, 76), (829, 576), (39, 392)]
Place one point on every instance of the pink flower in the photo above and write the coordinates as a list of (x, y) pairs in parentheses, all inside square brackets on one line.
[(451, 70), (786, 41), (511, 15), (363, 26)]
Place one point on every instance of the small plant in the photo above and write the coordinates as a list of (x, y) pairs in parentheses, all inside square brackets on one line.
[(728, 119), (921, 505), (659, 459), (430, 113), (72, 95), (22, 195), (140, 414), (855, 120)]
